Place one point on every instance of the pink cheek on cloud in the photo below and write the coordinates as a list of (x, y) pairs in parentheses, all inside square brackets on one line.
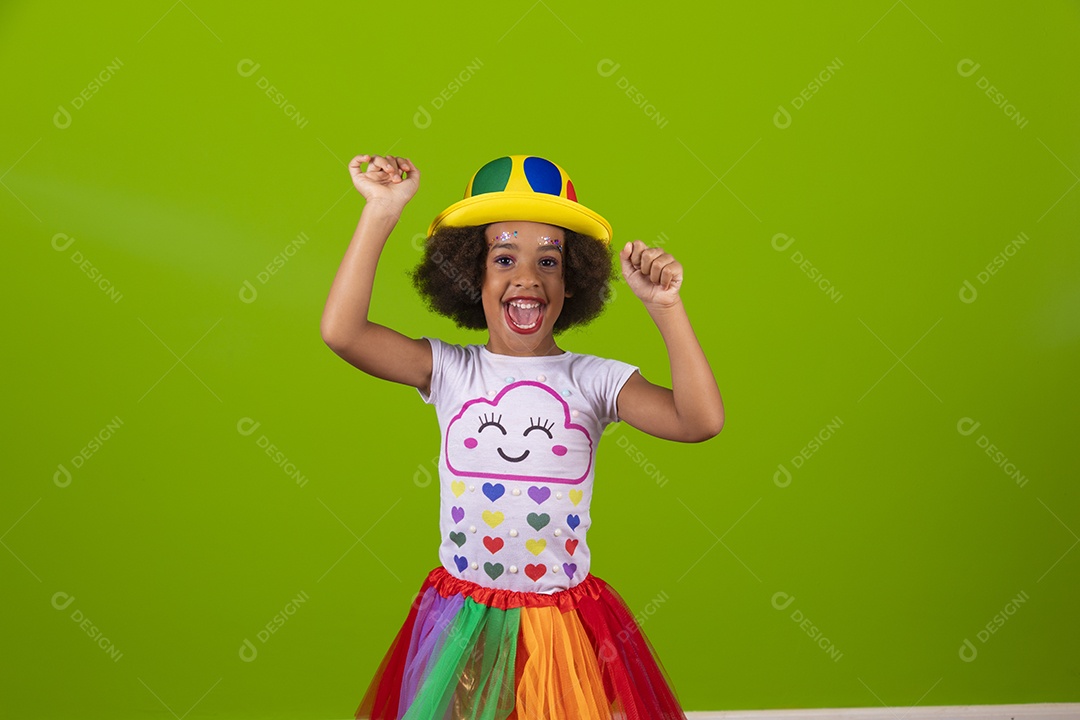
[(559, 450), (470, 443)]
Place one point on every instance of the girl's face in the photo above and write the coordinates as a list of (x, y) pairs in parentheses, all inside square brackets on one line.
[(523, 289)]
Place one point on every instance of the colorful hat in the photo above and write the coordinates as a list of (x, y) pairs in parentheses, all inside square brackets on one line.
[(523, 187)]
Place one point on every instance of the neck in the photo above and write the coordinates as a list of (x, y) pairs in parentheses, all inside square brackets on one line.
[(522, 347)]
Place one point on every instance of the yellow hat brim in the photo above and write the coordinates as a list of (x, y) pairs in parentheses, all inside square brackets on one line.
[(530, 207)]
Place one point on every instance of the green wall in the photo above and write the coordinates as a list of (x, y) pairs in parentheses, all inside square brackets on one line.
[(209, 513)]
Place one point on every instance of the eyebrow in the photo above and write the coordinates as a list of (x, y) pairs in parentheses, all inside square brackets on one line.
[(512, 246)]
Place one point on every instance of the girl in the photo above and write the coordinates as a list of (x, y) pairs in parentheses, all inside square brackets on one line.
[(512, 624)]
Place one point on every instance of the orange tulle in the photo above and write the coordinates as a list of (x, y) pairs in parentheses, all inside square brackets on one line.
[(559, 676)]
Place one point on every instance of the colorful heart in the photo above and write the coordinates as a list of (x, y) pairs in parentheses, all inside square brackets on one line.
[(493, 570), (457, 513), (493, 544), (457, 487), (494, 519), (494, 492), (573, 521), (535, 546), (538, 521), (461, 563), (571, 546), (575, 496), (458, 538), (539, 494), (570, 569), (535, 572)]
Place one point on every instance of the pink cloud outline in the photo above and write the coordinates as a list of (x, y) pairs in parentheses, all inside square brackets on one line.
[(567, 425)]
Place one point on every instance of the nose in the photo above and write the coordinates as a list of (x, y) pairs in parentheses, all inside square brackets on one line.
[(525, 277)]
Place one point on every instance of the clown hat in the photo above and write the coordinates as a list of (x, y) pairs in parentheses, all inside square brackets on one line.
[(523, 187)]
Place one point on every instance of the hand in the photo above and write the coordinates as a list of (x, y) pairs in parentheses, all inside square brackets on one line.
[(382, 182), (654, 275)]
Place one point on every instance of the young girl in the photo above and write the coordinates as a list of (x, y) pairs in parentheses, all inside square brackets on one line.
[(512, 624)]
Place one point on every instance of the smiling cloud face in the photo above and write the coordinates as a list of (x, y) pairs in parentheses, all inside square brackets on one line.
[(523, 433)]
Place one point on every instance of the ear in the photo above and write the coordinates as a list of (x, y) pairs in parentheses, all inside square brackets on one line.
[(569, 293)]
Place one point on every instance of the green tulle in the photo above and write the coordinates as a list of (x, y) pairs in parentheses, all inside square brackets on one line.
[(475, 666)]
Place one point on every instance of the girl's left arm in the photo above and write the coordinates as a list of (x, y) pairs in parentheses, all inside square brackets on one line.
[(692, 409)]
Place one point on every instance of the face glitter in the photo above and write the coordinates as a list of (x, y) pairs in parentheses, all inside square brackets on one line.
[(504, 236), (553, 242)]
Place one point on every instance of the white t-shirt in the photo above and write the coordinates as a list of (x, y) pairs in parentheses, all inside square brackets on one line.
[(518, 450)]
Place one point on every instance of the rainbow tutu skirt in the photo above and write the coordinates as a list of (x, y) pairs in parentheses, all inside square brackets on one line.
[(467, 652)]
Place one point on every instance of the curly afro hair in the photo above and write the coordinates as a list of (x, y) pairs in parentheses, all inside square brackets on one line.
[(451, 274)]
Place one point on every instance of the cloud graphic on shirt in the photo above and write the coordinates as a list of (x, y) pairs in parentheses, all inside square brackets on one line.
[(523, 433)]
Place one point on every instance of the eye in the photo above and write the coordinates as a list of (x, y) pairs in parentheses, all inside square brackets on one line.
[(541, 425), (486, 421), (498, 261), (549, 262)]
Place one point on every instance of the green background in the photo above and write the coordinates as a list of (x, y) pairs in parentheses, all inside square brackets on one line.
[(179, 180)]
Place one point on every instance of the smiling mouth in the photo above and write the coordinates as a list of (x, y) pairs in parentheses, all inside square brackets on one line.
[(524, 315), (519, 458)]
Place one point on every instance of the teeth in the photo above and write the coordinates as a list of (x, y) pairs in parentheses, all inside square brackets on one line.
[(523, 304)]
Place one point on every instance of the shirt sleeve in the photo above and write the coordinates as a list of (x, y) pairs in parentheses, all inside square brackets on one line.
[(432, 396), (449, 364), (610, 377)]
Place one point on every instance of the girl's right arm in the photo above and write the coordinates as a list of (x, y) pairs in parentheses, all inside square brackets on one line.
[(374, 348)]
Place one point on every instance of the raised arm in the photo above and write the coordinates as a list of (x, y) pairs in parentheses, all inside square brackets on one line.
[(374, 348), (692, 410)]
